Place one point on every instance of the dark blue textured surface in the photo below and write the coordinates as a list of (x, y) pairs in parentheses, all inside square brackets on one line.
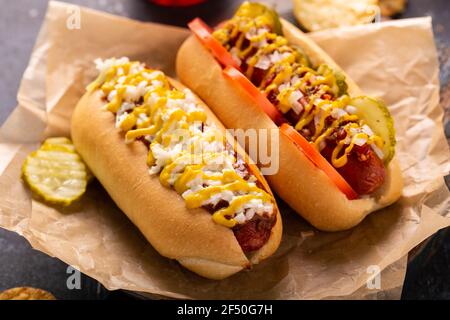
[(428, 275)]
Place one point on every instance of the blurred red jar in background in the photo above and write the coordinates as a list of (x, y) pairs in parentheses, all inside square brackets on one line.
[(177, 3)]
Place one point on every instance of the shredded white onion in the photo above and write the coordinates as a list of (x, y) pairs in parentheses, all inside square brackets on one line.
[(235, 55), (294, 80), (351, 109), (322, 145), (263, 63), (120, 118), (294, 98), (338, 113), (126, 106), (111, 95), (347, 140), (317, 119), (131, 93), (354, 131), (240, 218), (366, 129), (141, 118), (377, 151), (249, 214), (275, 57), (121, 79), (250, 33), (283, 86), (360, 141)]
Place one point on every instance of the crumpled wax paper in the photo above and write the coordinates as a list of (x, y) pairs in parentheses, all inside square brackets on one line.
[(394, 60)]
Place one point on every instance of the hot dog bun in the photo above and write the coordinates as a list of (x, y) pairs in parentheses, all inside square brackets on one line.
[(186, 235), (298, 182)]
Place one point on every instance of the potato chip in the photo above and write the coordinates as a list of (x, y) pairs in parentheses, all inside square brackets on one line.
[(26, 293), (391, 8), (315, 15)]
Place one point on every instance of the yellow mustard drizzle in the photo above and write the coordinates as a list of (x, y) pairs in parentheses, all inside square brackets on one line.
[(220, 215), (311, 82), (342, 160), (152, 118)]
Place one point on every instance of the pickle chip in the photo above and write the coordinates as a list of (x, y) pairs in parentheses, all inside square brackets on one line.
[(315, 15), (377, 116), (56, 172), (255, 9), (58, 143), (338, 84), (26, 293)]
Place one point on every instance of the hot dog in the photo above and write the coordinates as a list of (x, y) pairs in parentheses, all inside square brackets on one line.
[(337, 146), (164, 159)]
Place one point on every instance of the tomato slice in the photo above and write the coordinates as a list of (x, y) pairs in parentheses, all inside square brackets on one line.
[(256, 94), (203, 33), (316, 158)]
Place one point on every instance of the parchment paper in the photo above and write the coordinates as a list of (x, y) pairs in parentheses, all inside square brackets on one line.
[(395, 60)]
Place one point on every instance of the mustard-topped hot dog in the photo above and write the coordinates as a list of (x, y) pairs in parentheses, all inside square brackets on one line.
[(320, 110), (313, 100), (185, 149)]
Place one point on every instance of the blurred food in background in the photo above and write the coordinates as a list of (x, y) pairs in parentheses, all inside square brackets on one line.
[(177, 3), (391, 8), (26, 293), (315, 15)]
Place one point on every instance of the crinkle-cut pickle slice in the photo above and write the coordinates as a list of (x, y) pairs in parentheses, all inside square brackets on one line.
[(63, 144), (56, 172), (58, 143)]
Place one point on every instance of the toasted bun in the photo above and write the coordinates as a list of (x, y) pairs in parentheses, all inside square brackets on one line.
[(298, 182), (187, 235)]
